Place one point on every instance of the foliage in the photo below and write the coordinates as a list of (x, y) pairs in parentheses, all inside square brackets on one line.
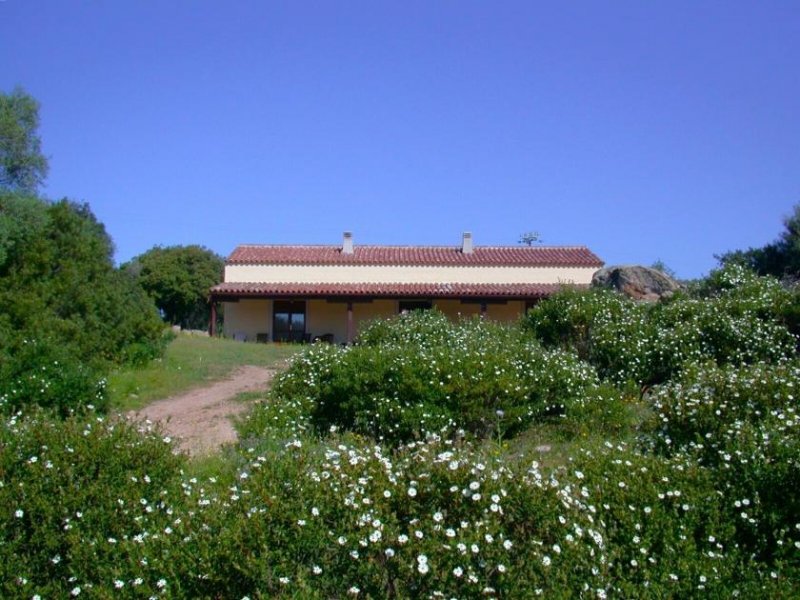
[(23, 167), (697, 504), (780, 258), (743, 425), (188, 361), (736, 317), (178, 278), (95, 506), (421, 373), (60, 293)]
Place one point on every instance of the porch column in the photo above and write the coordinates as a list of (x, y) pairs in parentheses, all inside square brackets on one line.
[(212, 324), (483, 310), (349, 322)]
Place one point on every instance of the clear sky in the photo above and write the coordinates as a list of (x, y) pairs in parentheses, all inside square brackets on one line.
[(643, 130)]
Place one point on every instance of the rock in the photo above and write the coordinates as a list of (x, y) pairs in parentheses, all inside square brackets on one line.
[(637, 282)]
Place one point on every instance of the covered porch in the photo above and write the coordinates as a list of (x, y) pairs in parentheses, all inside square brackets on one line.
[(278, 313)]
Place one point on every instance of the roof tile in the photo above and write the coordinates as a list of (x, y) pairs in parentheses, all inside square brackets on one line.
[(545, 256), (388, 290)]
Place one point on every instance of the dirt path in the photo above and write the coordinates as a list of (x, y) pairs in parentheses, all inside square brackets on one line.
[(201, 419)]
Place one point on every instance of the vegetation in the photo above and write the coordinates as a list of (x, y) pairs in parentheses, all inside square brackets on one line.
[(679, 493), (415, 464), (178, 279), (66, 313), (23, 167), (780, 258), (189, 361)]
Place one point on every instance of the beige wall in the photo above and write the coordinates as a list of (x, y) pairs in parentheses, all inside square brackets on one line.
[(510, 311), (250, 317), (405, 274), (455, 308), (326, 317), (364, 312), (247, 317)]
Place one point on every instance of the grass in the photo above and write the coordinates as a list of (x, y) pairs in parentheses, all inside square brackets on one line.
[(189, 362)]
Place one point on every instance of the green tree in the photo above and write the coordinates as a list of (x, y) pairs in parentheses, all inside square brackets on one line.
[(780, 258), (178, 278), (66, 313), (23, 167)]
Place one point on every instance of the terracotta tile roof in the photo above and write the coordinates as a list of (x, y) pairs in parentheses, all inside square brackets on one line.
[(539, 256), (387, 290)]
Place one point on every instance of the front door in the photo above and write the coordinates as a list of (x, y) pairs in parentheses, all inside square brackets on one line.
[(288, 320)]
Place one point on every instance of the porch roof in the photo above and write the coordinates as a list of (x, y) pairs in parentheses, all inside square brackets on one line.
[(506, 291)]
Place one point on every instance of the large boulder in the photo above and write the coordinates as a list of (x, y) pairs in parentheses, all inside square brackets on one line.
[(637, 282)]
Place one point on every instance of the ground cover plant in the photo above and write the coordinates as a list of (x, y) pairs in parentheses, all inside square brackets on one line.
[(686, 491), (189, 361)]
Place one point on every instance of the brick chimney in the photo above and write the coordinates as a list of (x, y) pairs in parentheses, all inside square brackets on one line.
[(347, 243)]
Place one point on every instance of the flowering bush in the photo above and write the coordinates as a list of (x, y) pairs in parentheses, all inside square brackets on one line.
[(45, 374), (736, 318), (78, 497), (352, 479), (743, 425), (421, 373)]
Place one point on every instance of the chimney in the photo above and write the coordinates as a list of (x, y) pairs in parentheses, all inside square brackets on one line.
[(466, 243), (347, 243)]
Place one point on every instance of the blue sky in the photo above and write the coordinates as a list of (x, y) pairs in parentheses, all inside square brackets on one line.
[(643, 130)]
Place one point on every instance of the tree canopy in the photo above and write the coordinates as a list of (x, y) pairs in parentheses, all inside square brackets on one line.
[(23, 167), (178, 279), (66, 312), (780, 258)]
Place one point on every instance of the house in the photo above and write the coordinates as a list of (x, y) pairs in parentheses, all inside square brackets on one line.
[(301, 293)]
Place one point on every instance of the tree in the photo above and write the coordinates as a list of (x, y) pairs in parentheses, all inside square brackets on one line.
[(23, 167), (66, 313), (780, 258), (178, 278)]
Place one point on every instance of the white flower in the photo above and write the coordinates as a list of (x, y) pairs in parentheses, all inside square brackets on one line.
[(507, 544), (19, 513), (412, 491), (76, 591), (546, 561), (316, 570), (458, 571), (119, 584), (438, 517), (161, 583)]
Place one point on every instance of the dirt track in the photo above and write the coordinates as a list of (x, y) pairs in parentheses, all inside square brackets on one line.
[(201, 419)]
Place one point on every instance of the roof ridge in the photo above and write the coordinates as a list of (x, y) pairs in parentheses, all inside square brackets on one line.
[(437, 246)]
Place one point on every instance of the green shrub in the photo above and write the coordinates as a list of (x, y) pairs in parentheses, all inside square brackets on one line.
[(80, 496), (733, 318), (41, 372), (743, 425), (420, 373)]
